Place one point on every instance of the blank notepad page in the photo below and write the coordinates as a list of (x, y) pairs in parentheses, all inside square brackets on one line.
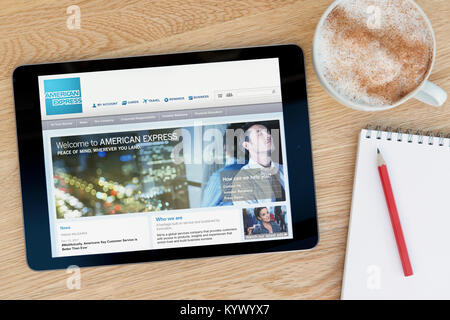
[(419, 169)]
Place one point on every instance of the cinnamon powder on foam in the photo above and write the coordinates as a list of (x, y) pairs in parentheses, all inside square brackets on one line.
[(375, 64)]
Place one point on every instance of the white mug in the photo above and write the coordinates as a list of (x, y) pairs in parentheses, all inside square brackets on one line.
[(426, 92)]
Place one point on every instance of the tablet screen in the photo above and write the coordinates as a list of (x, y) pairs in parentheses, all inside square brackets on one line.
[(165, 157)]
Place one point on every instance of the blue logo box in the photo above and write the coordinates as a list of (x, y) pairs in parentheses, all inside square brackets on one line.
[(62, 96)]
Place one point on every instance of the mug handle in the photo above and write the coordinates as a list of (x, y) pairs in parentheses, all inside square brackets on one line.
[(431, 94)]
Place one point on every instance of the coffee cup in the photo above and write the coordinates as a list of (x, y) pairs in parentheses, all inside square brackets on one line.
[(369, 13)]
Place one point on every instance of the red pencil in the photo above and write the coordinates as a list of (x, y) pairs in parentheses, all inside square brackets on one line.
[(393, 213)]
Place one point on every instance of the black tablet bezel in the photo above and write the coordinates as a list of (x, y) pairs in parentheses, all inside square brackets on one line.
[(32, 170)]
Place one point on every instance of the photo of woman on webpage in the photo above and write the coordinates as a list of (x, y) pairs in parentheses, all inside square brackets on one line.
[(265, 223)]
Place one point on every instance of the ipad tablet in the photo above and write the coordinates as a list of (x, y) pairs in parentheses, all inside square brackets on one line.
[(165, 157)]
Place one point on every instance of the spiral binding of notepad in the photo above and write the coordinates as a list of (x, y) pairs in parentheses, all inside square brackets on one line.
[(399, 134)]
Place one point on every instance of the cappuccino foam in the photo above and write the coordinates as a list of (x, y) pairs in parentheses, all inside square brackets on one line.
[(375, 52)]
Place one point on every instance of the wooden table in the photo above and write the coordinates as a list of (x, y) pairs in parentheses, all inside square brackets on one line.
[(35, 31)]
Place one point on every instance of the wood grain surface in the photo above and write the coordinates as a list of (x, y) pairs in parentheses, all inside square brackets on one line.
[(35, 31)]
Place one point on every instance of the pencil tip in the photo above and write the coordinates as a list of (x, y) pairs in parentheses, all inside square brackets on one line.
[(378, 150)]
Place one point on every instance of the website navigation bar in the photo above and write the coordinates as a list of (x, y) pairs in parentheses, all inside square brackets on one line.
[(161, 116)]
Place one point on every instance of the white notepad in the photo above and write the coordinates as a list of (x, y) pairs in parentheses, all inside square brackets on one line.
[(419, 169)]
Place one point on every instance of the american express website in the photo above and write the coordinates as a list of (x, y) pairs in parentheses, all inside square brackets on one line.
[(166, 157)]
